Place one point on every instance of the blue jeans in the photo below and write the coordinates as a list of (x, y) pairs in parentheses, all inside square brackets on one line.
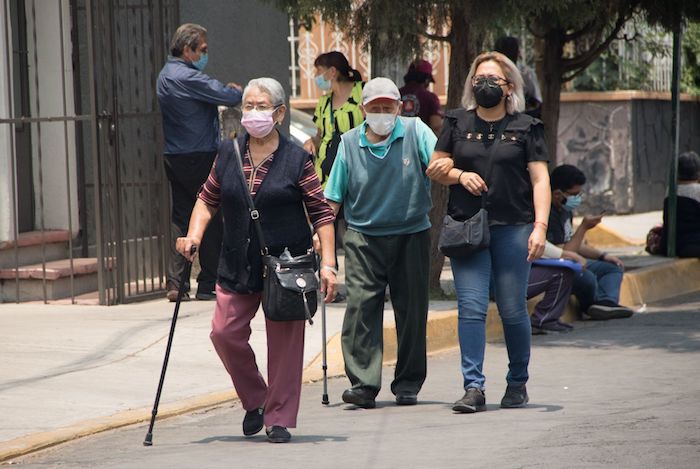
[(506, 259), (599, 282)]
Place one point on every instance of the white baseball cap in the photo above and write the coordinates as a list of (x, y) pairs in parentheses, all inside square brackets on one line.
[(380, 87)]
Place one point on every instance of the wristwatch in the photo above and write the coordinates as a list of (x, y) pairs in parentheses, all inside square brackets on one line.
[(602, 256)]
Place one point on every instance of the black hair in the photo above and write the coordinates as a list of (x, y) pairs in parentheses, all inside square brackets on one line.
[(566, 176), (688, 166), (340, 62), (508, 46)]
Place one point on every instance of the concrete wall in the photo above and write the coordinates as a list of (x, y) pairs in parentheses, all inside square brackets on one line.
[(247, 39), (622, 142)]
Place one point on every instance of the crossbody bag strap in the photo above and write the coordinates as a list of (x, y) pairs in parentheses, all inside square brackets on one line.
[(497, 139), (254, 214)]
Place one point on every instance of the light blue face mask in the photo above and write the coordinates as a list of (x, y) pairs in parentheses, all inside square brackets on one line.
[(573, 201), (322, 83), (202, 62)]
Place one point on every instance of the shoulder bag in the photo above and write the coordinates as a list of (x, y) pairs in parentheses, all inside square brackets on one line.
[(463, 238), (289, 283)]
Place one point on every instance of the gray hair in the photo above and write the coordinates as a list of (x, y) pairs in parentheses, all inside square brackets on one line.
[(269, 86), (188, 34), (516, 102)]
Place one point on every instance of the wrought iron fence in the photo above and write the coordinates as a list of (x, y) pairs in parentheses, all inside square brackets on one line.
[(86, 204)]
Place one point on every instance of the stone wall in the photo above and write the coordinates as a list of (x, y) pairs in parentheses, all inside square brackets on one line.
[(622, 142)]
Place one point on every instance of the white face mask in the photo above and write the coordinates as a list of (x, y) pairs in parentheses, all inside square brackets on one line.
[(381, 124)]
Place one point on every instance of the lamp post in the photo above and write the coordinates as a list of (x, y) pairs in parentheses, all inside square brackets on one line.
[(675, 136)]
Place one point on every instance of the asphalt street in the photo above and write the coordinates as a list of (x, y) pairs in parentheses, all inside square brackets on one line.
[(621, 394)]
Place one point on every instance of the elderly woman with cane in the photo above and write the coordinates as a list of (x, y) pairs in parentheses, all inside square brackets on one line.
[(281, 179)]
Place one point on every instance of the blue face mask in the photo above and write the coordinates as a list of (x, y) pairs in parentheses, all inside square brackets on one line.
[(322, 83), (202, 62), (573, 201)]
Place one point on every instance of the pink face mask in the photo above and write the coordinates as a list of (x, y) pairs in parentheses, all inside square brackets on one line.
[(258, 123)]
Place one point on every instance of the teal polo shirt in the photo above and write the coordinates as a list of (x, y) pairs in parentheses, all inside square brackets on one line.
[(383, 186)]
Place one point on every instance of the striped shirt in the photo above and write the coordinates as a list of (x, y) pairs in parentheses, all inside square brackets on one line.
[(320, 213), (327, 119)]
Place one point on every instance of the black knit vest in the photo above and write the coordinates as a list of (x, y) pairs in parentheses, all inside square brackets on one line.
[(280, 203)]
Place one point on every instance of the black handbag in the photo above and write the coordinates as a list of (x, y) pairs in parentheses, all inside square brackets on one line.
[(290, 283), (463, 238)]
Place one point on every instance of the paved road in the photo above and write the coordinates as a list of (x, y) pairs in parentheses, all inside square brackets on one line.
[(621, 394)]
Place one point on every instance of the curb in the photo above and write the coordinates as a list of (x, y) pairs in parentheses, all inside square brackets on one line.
[(641, 286)]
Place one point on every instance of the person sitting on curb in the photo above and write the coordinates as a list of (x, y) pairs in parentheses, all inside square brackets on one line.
[(598, 287), (556, 282), (379, 177)]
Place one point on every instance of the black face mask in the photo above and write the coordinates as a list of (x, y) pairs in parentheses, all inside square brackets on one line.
[(487, 96)]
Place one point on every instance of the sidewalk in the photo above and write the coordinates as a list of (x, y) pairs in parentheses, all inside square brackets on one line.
[(69, 371)]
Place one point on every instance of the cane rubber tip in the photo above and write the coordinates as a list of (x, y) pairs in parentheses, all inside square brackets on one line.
[(148, 441), (325, 400)]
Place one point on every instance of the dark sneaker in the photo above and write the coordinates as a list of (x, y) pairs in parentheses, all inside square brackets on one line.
[(253, 421), (515, 396), (604, 312), (206, 295), (473, 400), (361, 397), (406, 398), (339, 298), (554, 327), (537, 330), (172, 296), (277, 434), (564, 324)]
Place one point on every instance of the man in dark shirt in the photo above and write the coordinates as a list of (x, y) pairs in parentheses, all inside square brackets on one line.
[(598, 287), (417, 100), (188, 102)]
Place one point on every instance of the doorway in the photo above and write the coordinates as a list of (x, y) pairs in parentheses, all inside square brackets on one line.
[(23, 131)]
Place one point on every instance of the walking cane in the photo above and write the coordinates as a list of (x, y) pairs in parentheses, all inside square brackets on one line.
[(148, 441), (324, 364), (324, 399)]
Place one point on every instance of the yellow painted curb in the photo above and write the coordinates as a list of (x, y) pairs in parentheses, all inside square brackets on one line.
[(660, 282), (604, 237)]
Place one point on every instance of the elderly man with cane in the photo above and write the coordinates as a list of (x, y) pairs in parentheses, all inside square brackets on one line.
[(379, 176)]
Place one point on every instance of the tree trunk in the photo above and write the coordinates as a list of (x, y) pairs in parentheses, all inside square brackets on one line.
[(549, 70), (463, 46)]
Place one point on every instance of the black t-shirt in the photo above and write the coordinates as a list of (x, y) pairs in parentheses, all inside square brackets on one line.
[(559, 230), (465, 136)]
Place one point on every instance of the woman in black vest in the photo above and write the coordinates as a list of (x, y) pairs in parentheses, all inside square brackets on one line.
[(282, 181), (514, 179)]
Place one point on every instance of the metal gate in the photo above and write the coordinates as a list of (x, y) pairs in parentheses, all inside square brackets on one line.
[(129, 41), (99, 99)]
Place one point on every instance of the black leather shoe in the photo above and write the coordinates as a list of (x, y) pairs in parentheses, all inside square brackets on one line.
[(361, 397), (277, 434), (253, 421), (515, 396), (205, 295), (406, 398)]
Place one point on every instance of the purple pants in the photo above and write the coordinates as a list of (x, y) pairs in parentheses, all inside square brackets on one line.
[(556, 283), (285, 357)]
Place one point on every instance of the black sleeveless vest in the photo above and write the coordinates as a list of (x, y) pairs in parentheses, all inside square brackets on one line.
[(280, 203)]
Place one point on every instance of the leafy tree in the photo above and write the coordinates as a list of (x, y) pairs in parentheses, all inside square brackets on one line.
[(691, 60)]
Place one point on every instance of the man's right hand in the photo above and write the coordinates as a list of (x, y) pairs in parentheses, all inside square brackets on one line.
[(309, 146), (589, 222), (572, 256)]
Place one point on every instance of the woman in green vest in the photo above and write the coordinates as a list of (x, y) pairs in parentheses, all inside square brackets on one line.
[(337, 111)]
